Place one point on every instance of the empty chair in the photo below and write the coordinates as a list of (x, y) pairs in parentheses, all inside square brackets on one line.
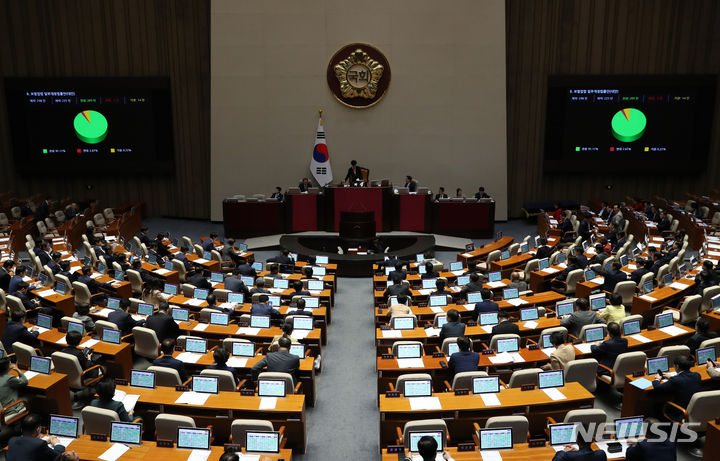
[(395, 319), (689, 310), (14, 304), (166, 376), (703, 407), (526, 376), (78, 378), (135, 280), (187, 241), (227, 343), (146, 343), (582, 371), (290, 387), (98, 420), (181, 339), (166, 426), (708, 294), (423, 425), (464, 380), (226, 380), (531, 265), (240, 427), (400, 381), (714, 342), (198, 250), (625, 364), (23, 353), (99, 220), (626, 289), (108, 214), (82, 294), (187, 290), (492, 256), (180, 268), (59, 216), (519, 424), (568, 287), (591, 417), (514, 248), (673, 352), (630, 318)]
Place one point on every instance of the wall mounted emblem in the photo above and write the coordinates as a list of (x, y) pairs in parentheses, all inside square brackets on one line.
[(358, 75)]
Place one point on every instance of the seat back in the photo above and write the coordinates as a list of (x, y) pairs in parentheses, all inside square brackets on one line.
[(519, 424), (400, 381), (205, 313), (90, 253), (630, 318), (514, 248), (101, 325), (495, 338), (187, 290), (226, 380), (165, 376), (445, 348), (68, 365), (135, 280), (394, 319), (49, 273), (626, 289), (690, 309), (99, 220), (464, 379), (714, 342), (582, 371), (221, 295), (525, 376), (187, 241), (626, 364), (198, 250), (82, 293), (287, 377), (227, 343), (67, 319), (3, 301), (60, 216), (703, 407), (673, 352), (98, 420), (591, 417), (646, 278), (531, 265), (594, 325), (180, 268), (146, 342), (23, 352), (424, 425), (708, 294), (181, 339), (14, 304), (493, 256), (166, 425), (109, 214), (572, 279), (240, 427), (551, 330), (664, 269)]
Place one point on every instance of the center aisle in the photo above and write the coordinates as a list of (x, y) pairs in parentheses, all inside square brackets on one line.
[(344, 422)]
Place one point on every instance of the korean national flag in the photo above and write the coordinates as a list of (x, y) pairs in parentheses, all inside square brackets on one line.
[(320, 163)]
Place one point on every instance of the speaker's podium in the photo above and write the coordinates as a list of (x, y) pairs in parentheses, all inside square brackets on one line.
[(357, 226)]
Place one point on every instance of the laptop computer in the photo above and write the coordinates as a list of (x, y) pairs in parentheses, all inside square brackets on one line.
[(589, 275), (428, 284), (316, 285), (496, 439), (241, 349), (418, 388), (452, 348), (113, 303), (247, 280), (631, 327), (63, 426), (474, 297), (505, 254), (529, 313), (507, 345), (495, 277), (463, 280), (648, 287), (594, 334), (144, 379), (170, 289), (236, 298), (311, 302), (219, 318), (486, 385), (273, 300), (488, 318), (563, 434), (409, 351), (193, 438), (258, 266), (511, 293), (543, 264), (40, 365), (281, 284), (598, 301), (197, 345), (549, 379), (76, 326), (421, 269), (298, 350), (629, 428), (129, 433), (664, 320), (44, 321), (271, 388), (111, 336), (321, 260), (260, 321), (60, 287), (656, 364), (205, 384), (119, 276), (216, 277), (200, 293), (456, 266), (403, 323), (438, 300), (563, 308), (704, 354), (145, 309), (181, 315), (441, 320), (302, 322), (262, 442)]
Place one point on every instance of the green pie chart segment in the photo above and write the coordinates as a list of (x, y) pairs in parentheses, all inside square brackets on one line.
[(628, 125), (90, 126)]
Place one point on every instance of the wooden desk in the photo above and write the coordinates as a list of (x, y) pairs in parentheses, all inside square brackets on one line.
[(459, 412), (210, 265), (714, 318), (520, 452), (221, 409), (483, 251), (712, 441), (506, 266), (50, 394), (89, 450), (63, 303)]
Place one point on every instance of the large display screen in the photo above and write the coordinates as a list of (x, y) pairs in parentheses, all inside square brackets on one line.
[(91, 125), (629, 124)]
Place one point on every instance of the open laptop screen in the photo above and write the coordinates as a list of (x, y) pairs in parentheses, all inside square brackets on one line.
[(496, 439), (63, 426), (191, 438), (262, 441), (125, 433)]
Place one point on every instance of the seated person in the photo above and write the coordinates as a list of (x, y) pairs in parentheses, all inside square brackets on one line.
[(93, 285), (474, 285), (54, 263), (277, 195), (10, 385), (281, 361), (82, 314), (441, 194), (411, 184), (65, 271), (465, 359), (681, 386), (73, 339), (481, 193), (607, 352), (600, 254), (427, 449), (582, 261), (396, 289), (581, 317), (300, 309), (221, 356), (21, 292), (211, 300), (643, 267), (440, 285), (235, 284), (398, 273), (563, 353), (209, 243), (262, 308), (106, 392), (652, 448), (199, 279), (259, 286), (181, 256), (15, 331), (401, 307), (505, 326), (486, 305), (515, 281), (612, 277), (614, 311), (304, 185), (31, 445), (702, 333), (543, 250), (454, 327), (123, 319), (299, 290), (583, 452), (228, 253), (282, 258), (429, 272), (167, 360), (274, 272)]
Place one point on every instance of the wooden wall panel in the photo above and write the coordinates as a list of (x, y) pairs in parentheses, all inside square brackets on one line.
[(66, 38), (546, 37)]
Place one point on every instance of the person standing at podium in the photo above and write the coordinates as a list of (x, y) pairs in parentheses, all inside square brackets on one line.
[(354, 174)]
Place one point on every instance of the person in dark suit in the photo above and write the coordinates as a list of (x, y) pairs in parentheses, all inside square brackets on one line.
[(621, 240), (474, 285), (281, 361), (235, 284), (581, 317), (398, 273), (228, 252), (182, 257), (543, 250), (464, 359), (607, 352), (481, 193), (441, 194), (44, 252), (221, 356), (93, 285), (42, 211), (429, 272), (30, 446), (304, 185), (277, 195), (282, 258), (199, 280), (454, 327), (582, 261), (651, 450), (658, 262), (162, 324), (143, 236), (65, 271), (167, 346), (706, 281), (298, 289), (106, 391), (486, 305), (5, 276), (122, 319), (73, 339), (440, 288), (209, 243), (572, 264), (16, 278), (71, 211), (585, 227), (643, 267), (15, 331), (259, 286), (22, 294), (600, 254), (612, 277), (354, 175), (246, 270), (566, 229), (682, 386), (274, 272), (410, 184), (262, 308), (702, 333), (583, 452), (664, 223), (505, 326), (54, 263), (397, 288), (300, 309)]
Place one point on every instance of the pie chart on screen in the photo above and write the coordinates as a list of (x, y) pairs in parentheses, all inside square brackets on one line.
[(90, 126), (628, 125)]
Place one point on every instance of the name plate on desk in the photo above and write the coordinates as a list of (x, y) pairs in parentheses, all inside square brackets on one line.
[(535, 443), (233, 447), (247, 392), (488, 352), (527, 387), (121, 382), (638, 373), (388, 356), (392, 394), (438, 355), (384, 327), (165, 443), (98, 437), (181, 388), (466, 447), (396, 449), (533, 347), (462, 392)]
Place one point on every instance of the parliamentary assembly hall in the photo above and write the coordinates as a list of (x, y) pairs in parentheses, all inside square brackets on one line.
[(392, 230)]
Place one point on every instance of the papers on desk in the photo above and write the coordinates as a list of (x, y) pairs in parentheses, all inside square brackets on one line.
[(128, 400), (426, 291), (678, 285), (583, 347), (227, 305), (590, 251), (213, 284), (40, 330), (550, 270), (200, 327), (267, 403), (490, 400), (114, 452), (248, 331), (517, 302), (248, 457), (391, 333), (104, 312), (467, 255), (237, 362), (65, 441), (90, 343), (648, 298), (458, 273), (74, 269), (562, 265), (46, 293), (672, 330), (496, 284), (315, 292), (548, 350), (488, 328), (437, 309), (554, 394), (490, 455), (193, 398), (276, 290), (30, 374), (562, 447), (198, 455), (189, 357), (162, 271), (194, 301), (530, 325), (201, 261), (61, 341), (506, 357), (27, 279), (658, 239), (137, 317), (456, 289), (641, 338), (300, 334), (632, 266), (432, 332), (410, 363), (469, 307), (713, 253), (425, 403), (96, 275)]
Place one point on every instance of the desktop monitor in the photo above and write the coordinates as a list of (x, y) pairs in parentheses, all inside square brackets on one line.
[(545, 341), (418, 388), (715, 301), (315, 285), (623, 260), (441, 320), (594, 334), (191, 438), (273, 300), (271, 388), (452, 348), (420, 257), (242, 349), (438, 300), (311, 302), (494, 276), (524, 248), (44, 321), (421, 269), (428, 284), (40, 365), (216, 277), (664, 320), (200, 293), (505, 254), (589, 275), (496, 439), (529, 313), (281, 284), (180, 315), (648, 287), (260, 321), (242, 247), (63, 426), (144, 379), (219, 318), (415, 437), (119, 276), (704, 354), (508, 345), (403, 323), (319, 271), (474, 297), (409, 351), (469, 247), (113, 303), (511, 293), (101, 268), (683, 269), (488, 318), (543, 264), (247, 280), (43, 279), (262, 442), (655, 364), (302, 322), (463, 280), (198, 345), (130, 433), (486, 384), (585, 245), (236, 298), (321, 259), (152, 258), (667, 279), (598, 301), (60, 287), (298, 350), (563, 308), (205, 384), (561, 258), (456, 266), (76, 326), (553, 378), (169, 265), (111, 336), (563, 434), (170, 289), (145, 309), (258, 266), (631, 327), (629, 428), (207, 255)]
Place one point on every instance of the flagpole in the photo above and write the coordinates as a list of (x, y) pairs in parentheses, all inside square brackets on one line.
[(320, 115)]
